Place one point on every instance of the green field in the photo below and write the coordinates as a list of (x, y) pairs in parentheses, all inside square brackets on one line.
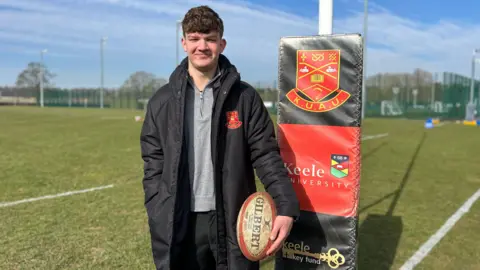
[(412, 181)]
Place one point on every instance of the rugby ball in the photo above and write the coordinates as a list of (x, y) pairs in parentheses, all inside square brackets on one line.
[(254, 225)]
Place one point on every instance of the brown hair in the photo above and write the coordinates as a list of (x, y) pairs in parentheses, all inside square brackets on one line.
[(202, 19)]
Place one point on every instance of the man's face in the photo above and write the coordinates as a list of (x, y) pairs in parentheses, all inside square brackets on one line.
[(203, 50)]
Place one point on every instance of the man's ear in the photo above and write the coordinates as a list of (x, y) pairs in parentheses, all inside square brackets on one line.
[(184, 44), (223, 45)]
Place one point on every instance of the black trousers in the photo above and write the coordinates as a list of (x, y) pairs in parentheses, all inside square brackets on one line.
[(198, 248)]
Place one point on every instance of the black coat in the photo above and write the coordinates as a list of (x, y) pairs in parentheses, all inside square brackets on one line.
[(239, 145)]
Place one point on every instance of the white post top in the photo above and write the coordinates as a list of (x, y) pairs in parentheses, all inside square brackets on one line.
[(325, 17)]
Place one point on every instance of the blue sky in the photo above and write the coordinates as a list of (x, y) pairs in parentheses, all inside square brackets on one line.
[(403, 35)]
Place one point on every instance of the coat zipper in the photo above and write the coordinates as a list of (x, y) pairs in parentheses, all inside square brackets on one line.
[(228, 84), (201, 102), (222, 95)]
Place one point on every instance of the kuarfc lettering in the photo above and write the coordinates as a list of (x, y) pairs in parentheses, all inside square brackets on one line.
[(257, 223)]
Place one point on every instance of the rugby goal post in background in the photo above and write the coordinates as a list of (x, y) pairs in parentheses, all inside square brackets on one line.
[(319, 133)]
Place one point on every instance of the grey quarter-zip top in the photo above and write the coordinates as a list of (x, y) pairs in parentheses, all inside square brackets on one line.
[(198, 117)]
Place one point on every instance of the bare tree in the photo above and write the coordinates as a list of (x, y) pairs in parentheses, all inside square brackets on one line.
[(140, 80), (30, 76)]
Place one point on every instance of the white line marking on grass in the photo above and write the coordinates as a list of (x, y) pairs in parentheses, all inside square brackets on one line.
[(114, 117), (428, 246), (6, 204), (372, 137)]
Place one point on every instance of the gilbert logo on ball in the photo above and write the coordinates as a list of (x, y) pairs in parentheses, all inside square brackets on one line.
[(254, 225)]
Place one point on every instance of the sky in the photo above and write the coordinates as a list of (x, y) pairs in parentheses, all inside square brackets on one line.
[(434, 35)]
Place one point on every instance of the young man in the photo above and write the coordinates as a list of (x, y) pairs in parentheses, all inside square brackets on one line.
[(203, 135)]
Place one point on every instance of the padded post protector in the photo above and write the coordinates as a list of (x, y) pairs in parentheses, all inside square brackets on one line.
[(319, 121)]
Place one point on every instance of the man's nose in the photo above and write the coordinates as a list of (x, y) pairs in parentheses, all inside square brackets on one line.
[(202, 44)]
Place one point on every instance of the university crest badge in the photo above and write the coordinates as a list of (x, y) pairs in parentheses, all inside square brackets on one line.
[(318, 81), (339, 165), (233, 121)]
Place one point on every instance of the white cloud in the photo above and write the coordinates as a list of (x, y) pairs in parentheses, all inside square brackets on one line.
[(145, 29), (400, 44), (30, 51), (78, 26)]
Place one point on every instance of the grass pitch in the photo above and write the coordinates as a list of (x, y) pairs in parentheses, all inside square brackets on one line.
[(412, 182)]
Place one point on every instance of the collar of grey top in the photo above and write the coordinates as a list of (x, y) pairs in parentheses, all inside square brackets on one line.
[(229, 75), (217, 75)]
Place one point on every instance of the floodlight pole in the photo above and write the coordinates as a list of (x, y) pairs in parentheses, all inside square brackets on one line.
[(103, 40), (434, 81), (472, 80), (177, 37), (41, 74), (469, 109), (477, 61), (364, 58)]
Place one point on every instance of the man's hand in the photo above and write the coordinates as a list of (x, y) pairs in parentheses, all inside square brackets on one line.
[(281, 229)]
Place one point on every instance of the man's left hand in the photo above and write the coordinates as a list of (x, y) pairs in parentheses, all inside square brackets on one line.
[(281, 229)]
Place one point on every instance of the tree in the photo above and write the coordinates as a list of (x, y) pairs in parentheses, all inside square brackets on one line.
[(142, 80), (30, 76), (139, 87)]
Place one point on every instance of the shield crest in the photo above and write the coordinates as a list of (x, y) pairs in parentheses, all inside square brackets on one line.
[(233, 120), (317, 73)]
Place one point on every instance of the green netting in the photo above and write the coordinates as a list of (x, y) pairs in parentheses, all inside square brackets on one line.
[(443, 95), (90, 98), (446, 97), (121, 99)]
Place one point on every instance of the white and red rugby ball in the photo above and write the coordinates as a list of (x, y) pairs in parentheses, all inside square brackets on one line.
[(254, 225)]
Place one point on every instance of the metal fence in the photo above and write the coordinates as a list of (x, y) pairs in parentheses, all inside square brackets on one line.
[(417, 95), (445, 96), (90, 98)]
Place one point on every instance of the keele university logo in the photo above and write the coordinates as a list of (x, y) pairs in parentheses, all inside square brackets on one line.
[(318, 78), (339, 165)]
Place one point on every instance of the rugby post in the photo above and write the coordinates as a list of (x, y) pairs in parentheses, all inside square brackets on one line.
[(319, 121)]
